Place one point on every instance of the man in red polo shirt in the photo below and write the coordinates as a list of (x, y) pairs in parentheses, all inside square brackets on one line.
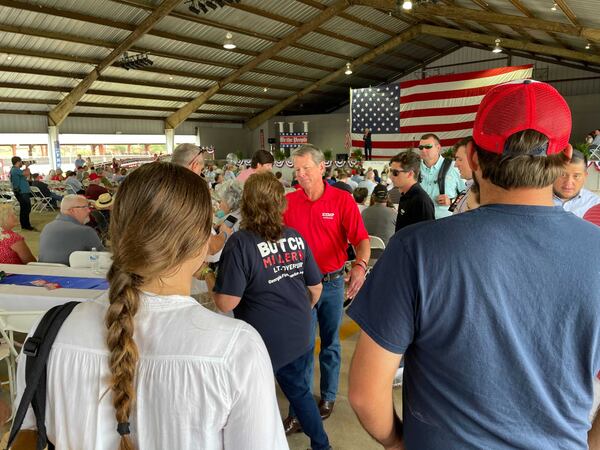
[(327, 218)]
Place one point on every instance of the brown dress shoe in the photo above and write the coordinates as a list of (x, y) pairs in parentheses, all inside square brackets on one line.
[(326, 408), (291, 425)]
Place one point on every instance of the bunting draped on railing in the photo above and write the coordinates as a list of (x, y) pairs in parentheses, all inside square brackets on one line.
[(289, 163)]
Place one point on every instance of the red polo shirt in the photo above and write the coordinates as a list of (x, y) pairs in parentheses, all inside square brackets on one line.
[(327, 225)]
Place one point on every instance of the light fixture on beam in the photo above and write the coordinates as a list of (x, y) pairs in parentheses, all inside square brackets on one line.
[(265, 89), (588, 46), (201, 6), (138, 61), (407, 5), (348, 70), (497, 48), (554, 7), (228, 42)]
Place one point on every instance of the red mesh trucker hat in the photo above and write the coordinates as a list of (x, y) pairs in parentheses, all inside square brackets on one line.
[(522, 105)]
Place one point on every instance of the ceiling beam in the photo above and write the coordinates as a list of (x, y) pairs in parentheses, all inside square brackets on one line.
[(521, 7), (559, 62), (247, 32), (62, 110), (467, 36), (295, 23), (43, 9), (116, 116), (451, 12), (392, 43), (38, 101), (175, 119), (123, 94), (77, 39), (134, 82), (151, 69)]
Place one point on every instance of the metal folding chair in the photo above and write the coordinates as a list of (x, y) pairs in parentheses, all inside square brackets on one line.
[(39, 201), (594, 150)]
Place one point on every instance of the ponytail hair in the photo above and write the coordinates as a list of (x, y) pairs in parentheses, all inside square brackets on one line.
[(161, 217)]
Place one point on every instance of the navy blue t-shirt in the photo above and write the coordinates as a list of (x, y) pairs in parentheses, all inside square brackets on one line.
[(271, 279), (497, 311)]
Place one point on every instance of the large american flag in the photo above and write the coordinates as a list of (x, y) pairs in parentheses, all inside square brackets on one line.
[(399, 114)]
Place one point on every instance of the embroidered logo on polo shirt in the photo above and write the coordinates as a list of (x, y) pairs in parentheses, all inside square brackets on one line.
[(329, 216), (402, 211)]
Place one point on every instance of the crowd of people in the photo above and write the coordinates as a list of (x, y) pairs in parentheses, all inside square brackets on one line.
[(487, 295)]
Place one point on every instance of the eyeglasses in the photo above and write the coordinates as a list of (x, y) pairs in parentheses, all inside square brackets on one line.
[(426, 146), (397, 172), (86, 206)]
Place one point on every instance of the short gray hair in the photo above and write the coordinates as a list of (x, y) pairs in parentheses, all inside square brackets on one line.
[(231, 193), (184, 154), (309, 149), (70, 200)]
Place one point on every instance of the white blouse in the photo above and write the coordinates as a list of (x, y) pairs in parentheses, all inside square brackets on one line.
[(204, 381)]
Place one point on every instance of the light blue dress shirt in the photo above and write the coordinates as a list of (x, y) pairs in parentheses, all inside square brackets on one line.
[(579, 204), (453, 186)]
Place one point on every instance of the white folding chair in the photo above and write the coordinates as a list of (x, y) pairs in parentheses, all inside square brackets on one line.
[(5, 355), (378, 245), (594, 150), (15, 322), (37, 263), (81, 259), (39, 201)]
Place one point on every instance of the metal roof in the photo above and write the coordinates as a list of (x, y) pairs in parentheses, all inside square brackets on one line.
[(48, 46)]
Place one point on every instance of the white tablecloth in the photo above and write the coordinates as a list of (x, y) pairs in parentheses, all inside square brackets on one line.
[(31, 298)]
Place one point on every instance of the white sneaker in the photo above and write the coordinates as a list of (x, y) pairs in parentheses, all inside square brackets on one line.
[(398, 378)]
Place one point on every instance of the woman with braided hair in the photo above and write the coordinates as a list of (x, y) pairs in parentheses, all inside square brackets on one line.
[(146, 367)]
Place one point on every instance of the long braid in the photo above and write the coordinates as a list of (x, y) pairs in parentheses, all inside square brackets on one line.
[(124, 303), (172, 205)]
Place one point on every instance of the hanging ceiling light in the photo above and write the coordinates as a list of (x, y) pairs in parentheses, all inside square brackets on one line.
[(348, 70), (554, 7), (228, 42), (497, 48), (407, 5)]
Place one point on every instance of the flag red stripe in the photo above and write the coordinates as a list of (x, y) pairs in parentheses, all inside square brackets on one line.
[(443, 95), (402, 144), (429, 112), (463, 76), (437, 127)]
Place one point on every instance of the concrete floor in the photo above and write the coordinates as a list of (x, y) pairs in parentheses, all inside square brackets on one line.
[(342, 427)]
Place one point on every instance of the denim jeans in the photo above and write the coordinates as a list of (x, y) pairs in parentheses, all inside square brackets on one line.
[(328, 313), (292, 381), (25, 208)]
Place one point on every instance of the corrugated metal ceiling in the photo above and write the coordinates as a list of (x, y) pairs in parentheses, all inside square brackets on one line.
[(187, 52)]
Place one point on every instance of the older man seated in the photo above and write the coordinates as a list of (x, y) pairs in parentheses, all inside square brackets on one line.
[(94, 190), (68, 232)]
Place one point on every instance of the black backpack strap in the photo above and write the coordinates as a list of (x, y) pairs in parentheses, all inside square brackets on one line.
[(37, 349), (441, 178)]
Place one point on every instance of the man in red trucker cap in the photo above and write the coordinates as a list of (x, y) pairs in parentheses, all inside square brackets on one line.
[(496, 310)]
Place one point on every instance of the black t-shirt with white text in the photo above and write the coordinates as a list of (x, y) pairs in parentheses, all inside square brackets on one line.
[(271, 279)]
